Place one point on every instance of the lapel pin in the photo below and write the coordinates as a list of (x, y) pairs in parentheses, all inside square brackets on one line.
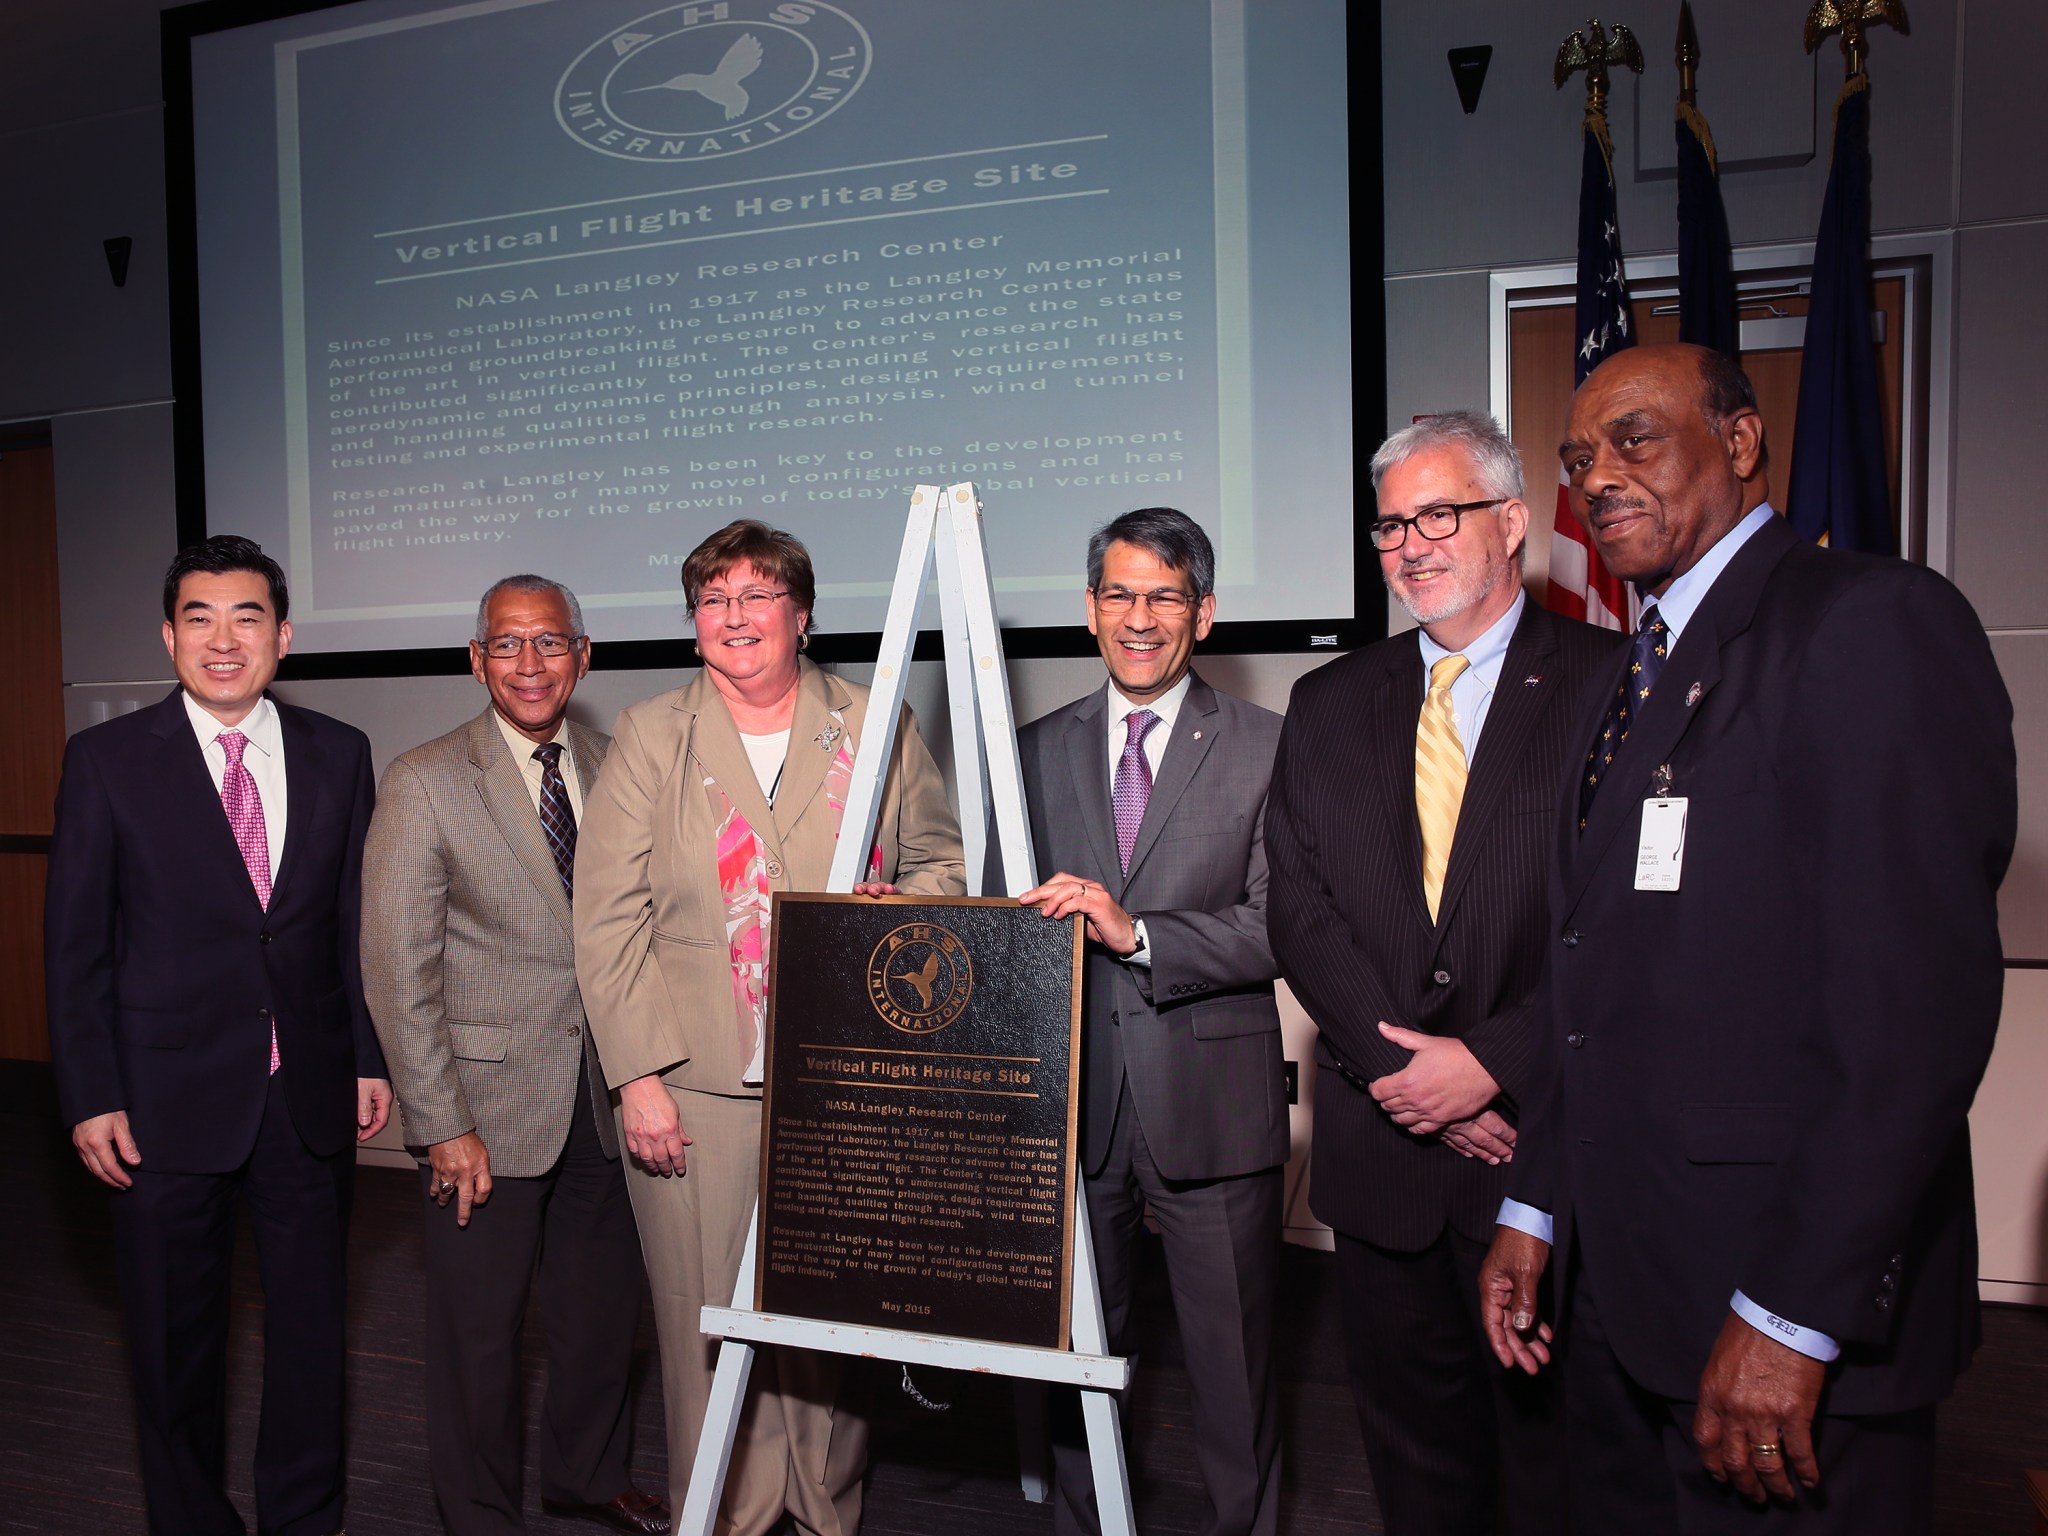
[(1692, 695), (1196, 737), (1532, 680), (827, 736)]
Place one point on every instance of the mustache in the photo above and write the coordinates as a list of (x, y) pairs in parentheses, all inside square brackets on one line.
[(1598, 507)]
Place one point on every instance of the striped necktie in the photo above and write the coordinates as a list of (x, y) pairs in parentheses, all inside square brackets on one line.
[(1645, 663), (1439, 776), (556, 818)]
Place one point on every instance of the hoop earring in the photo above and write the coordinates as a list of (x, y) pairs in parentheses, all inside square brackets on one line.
[(803, 641)]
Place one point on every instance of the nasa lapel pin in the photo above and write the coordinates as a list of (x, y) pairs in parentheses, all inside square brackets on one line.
[(1532, 679), (1692, 695)]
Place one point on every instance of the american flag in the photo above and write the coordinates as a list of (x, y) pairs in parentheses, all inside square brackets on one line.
[(1580, 586)]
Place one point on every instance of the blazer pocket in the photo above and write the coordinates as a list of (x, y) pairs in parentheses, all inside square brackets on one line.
[(478, 1042), (1180, 828), (1224, 1018), (158, 1029), (1736, 1133)]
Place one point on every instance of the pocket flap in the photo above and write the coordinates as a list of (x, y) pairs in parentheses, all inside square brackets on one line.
[(1737, 1133), (478, 1042), (1224, 1017)]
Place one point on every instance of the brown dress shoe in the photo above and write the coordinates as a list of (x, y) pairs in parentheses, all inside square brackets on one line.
[(634, 1512)]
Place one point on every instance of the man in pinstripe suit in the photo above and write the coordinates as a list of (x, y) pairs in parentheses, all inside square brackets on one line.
[(1413, 811), (470, 974)]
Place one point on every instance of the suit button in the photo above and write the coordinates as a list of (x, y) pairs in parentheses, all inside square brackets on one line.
[(575, 1030), (1884, 1303), (1575, 1039), (1571, 938), (1115, 1017), (1898, 1260), (1886, 1281), (774, 870), (262, 1013), (1442, 978), (263, 938)]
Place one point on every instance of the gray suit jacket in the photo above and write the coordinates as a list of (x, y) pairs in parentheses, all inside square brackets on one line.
[(1196, 1033), (469, 963)]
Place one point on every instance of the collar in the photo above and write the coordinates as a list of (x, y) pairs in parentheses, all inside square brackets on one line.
[(1166, 706), (521, 747), (1682, 599), (1483, 657), (260, 725)]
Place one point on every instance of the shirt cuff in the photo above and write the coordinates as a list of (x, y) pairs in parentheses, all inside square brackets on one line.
[(1142, 955), (1525, 1218), (1810, 1342)]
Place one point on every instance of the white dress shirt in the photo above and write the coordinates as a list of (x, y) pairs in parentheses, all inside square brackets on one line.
[(263, 757)]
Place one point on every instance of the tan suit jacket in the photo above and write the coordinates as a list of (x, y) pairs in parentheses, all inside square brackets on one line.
[(468, 951), (651, 946)]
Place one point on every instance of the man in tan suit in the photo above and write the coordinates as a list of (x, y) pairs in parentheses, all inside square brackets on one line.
[(470, 973)]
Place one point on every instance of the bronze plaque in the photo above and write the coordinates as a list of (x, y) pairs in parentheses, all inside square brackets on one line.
[(917, 1161)]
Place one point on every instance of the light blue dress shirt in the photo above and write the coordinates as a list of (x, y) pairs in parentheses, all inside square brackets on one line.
[(1681, 600), (1472, 693)]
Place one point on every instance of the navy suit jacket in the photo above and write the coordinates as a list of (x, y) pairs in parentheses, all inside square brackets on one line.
[(165, 973), (1763, 1077)]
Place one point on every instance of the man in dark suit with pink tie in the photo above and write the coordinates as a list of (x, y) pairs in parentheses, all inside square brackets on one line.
[(209, 1038)]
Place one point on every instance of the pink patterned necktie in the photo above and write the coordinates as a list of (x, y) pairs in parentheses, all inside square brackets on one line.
[(1133, 785), (244, 806)]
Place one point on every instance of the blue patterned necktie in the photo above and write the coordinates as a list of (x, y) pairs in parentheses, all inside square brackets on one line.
[(1645, 662), (1133, 785), (556, 819)]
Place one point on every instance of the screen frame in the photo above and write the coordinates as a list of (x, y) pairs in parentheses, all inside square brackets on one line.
[(183, 24)]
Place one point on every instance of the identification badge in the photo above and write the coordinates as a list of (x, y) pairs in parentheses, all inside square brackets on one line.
[(1660, 853)]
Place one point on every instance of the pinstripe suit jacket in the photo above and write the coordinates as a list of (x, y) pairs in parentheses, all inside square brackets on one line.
[(1196, 1032), (1352, 931), (469, 963)]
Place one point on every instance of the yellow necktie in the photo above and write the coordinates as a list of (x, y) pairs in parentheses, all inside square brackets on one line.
[(1439, 777)]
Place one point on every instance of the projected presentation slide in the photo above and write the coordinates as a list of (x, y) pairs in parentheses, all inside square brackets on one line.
[(564, 285)]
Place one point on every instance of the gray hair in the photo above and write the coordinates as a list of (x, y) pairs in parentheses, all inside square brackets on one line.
[(1494, 457), (1169, 536), (526, 583)]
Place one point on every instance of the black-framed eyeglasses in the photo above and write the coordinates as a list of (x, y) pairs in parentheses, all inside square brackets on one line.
[(753, 603), (1439, 520), (506, 647), (1166, 602)]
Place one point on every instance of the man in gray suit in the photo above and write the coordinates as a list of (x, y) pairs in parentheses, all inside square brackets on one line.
[(470, 974), (1148, 796)]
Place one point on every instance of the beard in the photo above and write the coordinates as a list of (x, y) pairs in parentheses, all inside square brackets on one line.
[(1462, 584)]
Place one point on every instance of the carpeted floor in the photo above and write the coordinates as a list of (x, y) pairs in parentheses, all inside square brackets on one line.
[(67, 1436)]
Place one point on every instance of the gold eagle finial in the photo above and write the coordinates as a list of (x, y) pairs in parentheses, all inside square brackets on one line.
[(1850, 18), (1593, 51)]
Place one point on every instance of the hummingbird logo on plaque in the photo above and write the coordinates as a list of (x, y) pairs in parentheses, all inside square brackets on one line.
[(919, 978)]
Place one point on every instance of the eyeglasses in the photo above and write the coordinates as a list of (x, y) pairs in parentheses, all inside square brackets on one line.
[(506, 647), (1165, 603), (1436, 521), (753, 603)]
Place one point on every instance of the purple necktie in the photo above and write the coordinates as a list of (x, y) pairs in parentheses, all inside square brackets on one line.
[(1133, 784), (244, 806)]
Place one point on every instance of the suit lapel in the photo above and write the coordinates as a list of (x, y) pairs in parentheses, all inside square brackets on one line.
[(1088, 766), (303, 785), (1688, 680), (715, 743), (1392, 711), (501, 783), (1511, 718), (1194, 733), (186, 772)]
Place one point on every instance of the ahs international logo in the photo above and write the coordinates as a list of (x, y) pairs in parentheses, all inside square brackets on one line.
[(694, 82), (919, 978)]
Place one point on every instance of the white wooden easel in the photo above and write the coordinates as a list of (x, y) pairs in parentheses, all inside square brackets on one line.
[(946, 525)]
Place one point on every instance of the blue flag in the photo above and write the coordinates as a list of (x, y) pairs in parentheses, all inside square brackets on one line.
[(1838, 491), (1706, 260)]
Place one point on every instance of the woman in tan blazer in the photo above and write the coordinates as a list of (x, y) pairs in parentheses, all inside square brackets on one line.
[(713, 797)]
